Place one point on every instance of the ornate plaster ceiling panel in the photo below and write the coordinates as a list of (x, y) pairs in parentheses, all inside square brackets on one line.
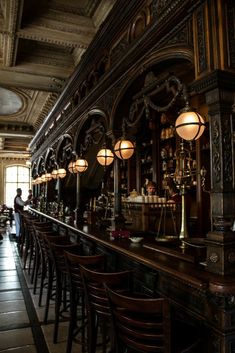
[(10, 102), (41, 42)]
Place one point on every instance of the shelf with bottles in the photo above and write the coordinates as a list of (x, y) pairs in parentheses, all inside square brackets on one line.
[(167, 130)]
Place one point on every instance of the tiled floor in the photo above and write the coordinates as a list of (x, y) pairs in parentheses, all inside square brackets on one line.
[(21, 327)]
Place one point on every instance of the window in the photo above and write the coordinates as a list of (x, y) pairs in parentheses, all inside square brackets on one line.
[(16, 177)]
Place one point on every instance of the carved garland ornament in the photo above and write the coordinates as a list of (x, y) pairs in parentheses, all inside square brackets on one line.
[(216, 154), (227, 138), (214, 257)]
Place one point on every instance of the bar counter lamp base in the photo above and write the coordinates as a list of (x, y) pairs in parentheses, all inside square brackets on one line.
[(183, 230)]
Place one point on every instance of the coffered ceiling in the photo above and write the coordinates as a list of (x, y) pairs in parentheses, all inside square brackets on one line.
[(41, 42)]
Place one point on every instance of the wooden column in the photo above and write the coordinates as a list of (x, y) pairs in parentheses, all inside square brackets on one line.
[(214, 33)]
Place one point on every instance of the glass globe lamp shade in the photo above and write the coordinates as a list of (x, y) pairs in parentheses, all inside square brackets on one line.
[(54, 173), (124, 149), (81, 165), (61, 173), (48, 176), (72, 167), (39, 180), (105, 157), (189, 125), (43, 177)]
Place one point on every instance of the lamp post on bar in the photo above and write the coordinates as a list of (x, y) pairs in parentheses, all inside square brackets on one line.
[(79, 166)]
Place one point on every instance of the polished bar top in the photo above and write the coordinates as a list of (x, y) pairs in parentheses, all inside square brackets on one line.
[(181, 264)]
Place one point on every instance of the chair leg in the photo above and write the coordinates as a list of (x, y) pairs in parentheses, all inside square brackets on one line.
[(58, 302), (49, 291), (92, 332), (43, 277), (36, 271), (72, 322)]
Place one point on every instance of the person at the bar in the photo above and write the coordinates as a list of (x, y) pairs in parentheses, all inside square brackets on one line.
[(18, 206), (151, 188)]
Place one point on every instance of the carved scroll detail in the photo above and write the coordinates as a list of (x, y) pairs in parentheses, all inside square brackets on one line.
[(227, 151), (201, 40), (216, 165)]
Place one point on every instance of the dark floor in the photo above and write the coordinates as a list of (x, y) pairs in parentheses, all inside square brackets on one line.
[(21, 327)]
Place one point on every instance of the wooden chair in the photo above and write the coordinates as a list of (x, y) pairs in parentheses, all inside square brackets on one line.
[(73, 262), (61, 302), (143, 325), (50, 267), (98, 313), (140, 324), (43, 261), (38, 227)]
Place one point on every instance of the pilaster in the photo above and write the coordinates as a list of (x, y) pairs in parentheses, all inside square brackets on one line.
[(221, 240)]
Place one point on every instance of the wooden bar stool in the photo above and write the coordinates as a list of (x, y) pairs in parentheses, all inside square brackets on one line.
[(38, 227), (26, 241), (73, 262), (140, 324), (98, 313), (50, 267), (43, 262), (143, 325), (61, 300)]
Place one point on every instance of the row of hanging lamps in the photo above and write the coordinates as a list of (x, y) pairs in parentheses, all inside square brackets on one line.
[(123, 149)]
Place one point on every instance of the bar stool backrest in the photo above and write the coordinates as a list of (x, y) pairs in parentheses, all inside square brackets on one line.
[(58, 253), (74, 261), (140, 324), (95, 293)]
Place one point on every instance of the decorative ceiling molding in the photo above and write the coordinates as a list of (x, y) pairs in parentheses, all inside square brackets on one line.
[(41, 42)]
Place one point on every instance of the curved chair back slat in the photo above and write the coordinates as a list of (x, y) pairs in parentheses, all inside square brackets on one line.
[(140, 324)]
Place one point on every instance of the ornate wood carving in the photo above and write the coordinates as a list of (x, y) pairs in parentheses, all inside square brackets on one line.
[(227, 154), (64, 150), (93, 135), (119, 49), (201, 57), (216, 156)]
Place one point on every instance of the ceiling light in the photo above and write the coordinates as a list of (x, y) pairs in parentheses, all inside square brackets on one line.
[(81, 165), (189, 125), (105, 157), (124, 149)]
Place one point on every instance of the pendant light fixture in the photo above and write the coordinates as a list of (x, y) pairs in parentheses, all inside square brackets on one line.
[(105, 157), (189, 125), (72, 167), (61, 173), (124, 148), (81, 165)]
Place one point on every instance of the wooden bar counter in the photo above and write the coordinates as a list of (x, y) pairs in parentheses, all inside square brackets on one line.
[(203, 299)]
